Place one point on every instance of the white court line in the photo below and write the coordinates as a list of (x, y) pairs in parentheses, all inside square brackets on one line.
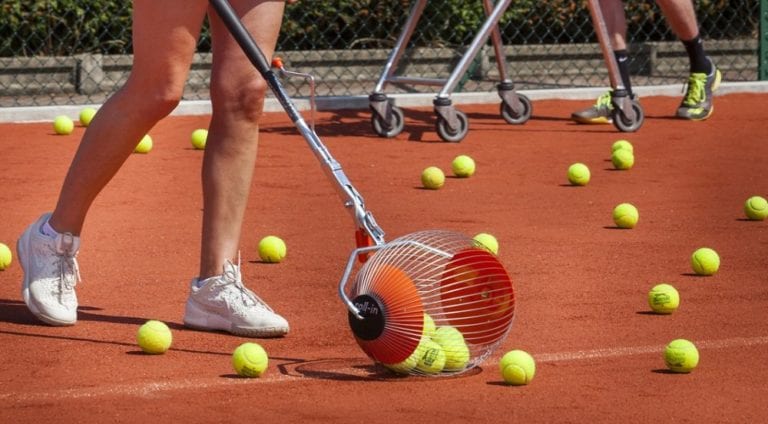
[(641, 350), (152, 388), (140, 389)]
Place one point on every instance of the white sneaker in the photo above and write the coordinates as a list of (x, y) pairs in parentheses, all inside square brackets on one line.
[(50, 274), (224, 303)]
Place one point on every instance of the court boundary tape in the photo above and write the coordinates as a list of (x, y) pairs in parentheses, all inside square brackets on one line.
[(203, 107), (149, 389)]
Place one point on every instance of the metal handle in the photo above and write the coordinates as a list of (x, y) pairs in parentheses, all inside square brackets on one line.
[(362, 250), (345, 278), (278, 63)]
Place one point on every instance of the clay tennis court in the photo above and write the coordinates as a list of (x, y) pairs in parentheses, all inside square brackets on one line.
[(581, 284)]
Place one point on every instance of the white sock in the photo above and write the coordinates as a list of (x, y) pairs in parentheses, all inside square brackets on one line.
[(47, 230)]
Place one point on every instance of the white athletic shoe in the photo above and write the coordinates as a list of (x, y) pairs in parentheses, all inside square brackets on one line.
[(224, 303), (50, 274)]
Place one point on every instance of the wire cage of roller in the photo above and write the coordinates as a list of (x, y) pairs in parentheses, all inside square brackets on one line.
[(433, 303)]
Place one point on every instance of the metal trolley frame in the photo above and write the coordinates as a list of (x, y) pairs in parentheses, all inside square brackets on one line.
[(452, 125)]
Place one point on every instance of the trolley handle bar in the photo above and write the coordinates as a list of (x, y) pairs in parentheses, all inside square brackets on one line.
[(352, 199)]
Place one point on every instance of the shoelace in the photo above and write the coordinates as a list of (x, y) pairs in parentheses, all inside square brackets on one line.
[(604, 100), (233, 276), (69, 271), (696, 92)]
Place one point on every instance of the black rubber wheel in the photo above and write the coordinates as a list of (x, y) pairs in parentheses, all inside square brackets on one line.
[(396, 124), (513, 117), (623, 124), (449, 135)]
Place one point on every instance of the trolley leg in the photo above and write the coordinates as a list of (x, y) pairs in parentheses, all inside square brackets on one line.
[(515, 108), (628, 115), (474, 47), (498, 46), (390, 67), (387, 119)]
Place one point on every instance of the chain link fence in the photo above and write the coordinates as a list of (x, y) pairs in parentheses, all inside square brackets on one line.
[(69, 52)]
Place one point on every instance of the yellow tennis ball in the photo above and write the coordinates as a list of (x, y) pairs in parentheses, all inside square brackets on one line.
[(517, 367), (663, 299), (409, 364), (429, 326), (705, 261), (63, 125), (463, 166), (756, 208), (623, 159), (432, 178), (199, 138), (455, 347), (488, 242), (272, 249), (250, 360), (6, 257), (86, 116), (625, 215), (154, 337), (681, 356), (578, 174), (145, 145), (432, 358), (622, 144)]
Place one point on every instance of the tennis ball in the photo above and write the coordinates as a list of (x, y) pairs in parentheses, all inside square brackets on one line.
[(663, 299), (681, 356), (622, 144), (488, 242), (432, 178), (578, 174), (705, 261), (463, 166), (756, 208), (86, 116), (272, 249), (63, 125), (625, 215), (409, 363), (429, 326), (432, 358), (154, 337), (145, 145), (6, 257), (517, 367), (250, 360), (623, 159), (199, 137), (454, 346)]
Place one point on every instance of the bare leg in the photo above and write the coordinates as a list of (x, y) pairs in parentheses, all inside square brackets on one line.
[(237, 97), (681, 17), (164, 40), (616, 22), (616, 25)]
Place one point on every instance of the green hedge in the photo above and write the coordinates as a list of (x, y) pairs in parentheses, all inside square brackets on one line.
[(66, 27), (63, 27)]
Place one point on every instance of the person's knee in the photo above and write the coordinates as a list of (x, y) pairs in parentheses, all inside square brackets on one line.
[(158, 97), (245, 99)]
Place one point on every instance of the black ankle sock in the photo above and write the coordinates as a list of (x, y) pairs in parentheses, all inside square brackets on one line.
[(622, 59), (696, 56)]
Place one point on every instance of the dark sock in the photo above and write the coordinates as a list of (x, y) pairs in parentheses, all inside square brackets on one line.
[(622, 59), (697, 58)]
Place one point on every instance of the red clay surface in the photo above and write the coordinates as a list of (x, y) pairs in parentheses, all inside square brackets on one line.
[(581, 284)]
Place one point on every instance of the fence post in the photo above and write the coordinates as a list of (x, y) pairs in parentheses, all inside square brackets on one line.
[(762, 41)]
